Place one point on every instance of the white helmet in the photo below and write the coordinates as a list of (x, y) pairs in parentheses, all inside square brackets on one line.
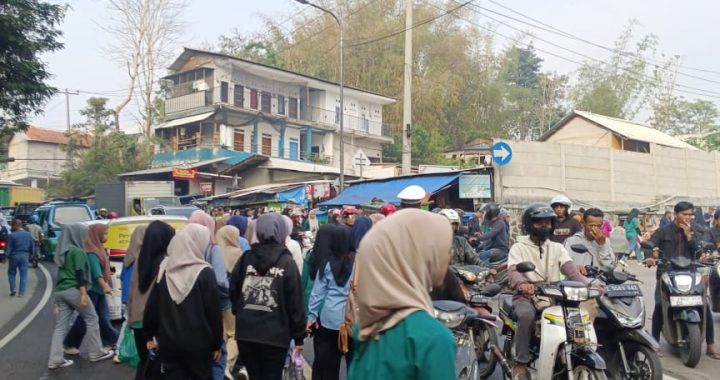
[(412, 194), (561, 199), (451, 214)]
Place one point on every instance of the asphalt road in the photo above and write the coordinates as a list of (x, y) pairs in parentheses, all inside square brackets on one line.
[(25, 357)]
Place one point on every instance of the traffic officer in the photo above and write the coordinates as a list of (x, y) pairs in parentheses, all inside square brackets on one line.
[(411, 197)]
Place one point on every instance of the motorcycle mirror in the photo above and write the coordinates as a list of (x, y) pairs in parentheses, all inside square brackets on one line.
[(525, 267), (579, 248)]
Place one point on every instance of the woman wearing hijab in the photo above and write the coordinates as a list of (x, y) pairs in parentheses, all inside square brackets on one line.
[(131, 255), (311, 223), (399, 261), (152, 252), (214, 257), (267, 301), (292, 245), (227, 238), (101, 285), (71, 296), (328, 301), (359, 229), (183, 312), (632, 232), (241, 223)]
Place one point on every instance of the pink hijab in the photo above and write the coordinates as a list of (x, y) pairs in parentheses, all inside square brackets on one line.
[(202, 218)]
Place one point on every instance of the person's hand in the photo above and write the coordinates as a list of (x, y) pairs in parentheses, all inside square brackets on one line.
[(598, 235), (656, 252), (650, 262), (299, 349), (582, 270), (107, 290), (601, 290), (687, 229), (151, 345), (527, 288), (216, 355), (83, 300), (311, 325)]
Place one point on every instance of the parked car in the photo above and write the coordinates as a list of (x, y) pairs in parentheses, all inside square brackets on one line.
[(53, 215), (121, 229), (24, 211)]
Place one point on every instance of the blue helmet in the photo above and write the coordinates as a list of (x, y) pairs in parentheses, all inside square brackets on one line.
[(34, 219)]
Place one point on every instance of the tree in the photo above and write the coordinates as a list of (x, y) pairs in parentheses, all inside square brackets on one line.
[(144, 32), (28, 29), (110, 152)]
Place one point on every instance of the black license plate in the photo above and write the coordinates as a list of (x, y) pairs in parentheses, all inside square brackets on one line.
[(623, 290)]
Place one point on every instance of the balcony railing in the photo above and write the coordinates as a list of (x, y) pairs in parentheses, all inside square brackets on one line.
[(323, 117)]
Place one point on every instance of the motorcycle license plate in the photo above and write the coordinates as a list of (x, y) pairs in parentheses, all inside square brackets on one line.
[(623, 290)]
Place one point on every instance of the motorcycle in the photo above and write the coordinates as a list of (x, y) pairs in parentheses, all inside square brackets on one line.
[(712, 259), (39, 254), (683, 299), (563, 345), (629, 350), (463, 321)]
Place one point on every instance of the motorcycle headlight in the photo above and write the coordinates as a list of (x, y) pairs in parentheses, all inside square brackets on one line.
[(575, 294), (683, 282), (450, 320)]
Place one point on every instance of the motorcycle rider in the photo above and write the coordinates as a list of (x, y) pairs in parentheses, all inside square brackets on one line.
[(103, 213), (35, 230), (712, 235), (496, 248), (600, 252), (388, 209), (550, 259), (565, 226), (461, 252), (672, 240)]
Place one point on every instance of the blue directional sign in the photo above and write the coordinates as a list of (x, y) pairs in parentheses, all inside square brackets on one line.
[(501, 153)]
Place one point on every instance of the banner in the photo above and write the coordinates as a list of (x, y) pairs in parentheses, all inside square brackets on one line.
[(179, 173), (475, 186)]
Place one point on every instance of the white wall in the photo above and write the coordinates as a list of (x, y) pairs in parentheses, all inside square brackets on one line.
[(608, 178)]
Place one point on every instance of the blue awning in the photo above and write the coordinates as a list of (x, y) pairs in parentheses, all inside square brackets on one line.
[(387, 190)]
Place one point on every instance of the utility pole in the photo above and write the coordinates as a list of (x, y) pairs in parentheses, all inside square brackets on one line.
[(407, 90), (67, 105)]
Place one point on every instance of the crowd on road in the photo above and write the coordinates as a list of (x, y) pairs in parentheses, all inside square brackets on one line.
[(236, 294)]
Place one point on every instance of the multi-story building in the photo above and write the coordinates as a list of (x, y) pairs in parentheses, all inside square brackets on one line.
[(219, 101)]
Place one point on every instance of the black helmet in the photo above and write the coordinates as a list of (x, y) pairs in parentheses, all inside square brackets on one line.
[(534, 212), (491, 210)]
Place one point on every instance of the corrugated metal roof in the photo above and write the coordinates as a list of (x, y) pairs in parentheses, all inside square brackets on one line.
[(185, 120), (628, 129), (169, 169)]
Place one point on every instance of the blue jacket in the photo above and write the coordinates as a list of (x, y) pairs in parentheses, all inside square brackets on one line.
[(20, 242), (328, 300)]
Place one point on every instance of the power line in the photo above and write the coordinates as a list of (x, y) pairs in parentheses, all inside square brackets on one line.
[(559, 31)]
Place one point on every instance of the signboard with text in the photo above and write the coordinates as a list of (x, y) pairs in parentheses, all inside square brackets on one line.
[(179, 173), (206, 187), (475, 186)]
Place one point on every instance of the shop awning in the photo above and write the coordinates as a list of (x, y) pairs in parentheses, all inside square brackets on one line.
[(387, 190), (185, 120)]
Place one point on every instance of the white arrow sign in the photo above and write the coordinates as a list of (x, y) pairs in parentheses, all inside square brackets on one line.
[(501, 153)]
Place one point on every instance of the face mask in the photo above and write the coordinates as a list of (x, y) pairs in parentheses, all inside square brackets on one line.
[(541, 233)]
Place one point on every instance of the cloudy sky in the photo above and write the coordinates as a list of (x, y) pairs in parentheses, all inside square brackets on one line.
[(687, 29)]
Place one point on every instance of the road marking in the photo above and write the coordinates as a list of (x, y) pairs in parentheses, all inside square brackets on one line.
[(667, 377), (43, 301)]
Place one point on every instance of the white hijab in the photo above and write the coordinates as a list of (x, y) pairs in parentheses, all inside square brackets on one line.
[(185, 260)]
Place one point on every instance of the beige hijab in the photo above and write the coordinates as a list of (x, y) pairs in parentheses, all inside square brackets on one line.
[(184, 260), (399, 261), (136, 240), (227, 238), (250, 234)]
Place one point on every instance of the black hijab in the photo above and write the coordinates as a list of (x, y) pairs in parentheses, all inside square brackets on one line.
[(634, 213), (153, 252), (321, 249), (342, 254)]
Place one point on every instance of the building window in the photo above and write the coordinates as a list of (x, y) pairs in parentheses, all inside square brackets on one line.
[(636, 146), (337, 114), (266, 145), (265, 102), (253, 99), (238, 96), (281, 105), (292, 108), (224, 92), (239, 141)]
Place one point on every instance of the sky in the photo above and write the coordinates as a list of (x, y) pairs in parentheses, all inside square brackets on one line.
[(686, 29)]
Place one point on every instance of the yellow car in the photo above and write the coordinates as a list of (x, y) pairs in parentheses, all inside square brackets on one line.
[(120, 230)]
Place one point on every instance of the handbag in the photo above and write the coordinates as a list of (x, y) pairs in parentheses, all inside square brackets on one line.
[(345, 333)]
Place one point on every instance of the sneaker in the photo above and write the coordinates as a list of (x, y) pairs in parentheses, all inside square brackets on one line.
[(13, 293), (19, 296), (104, 356), (71, 351), (110, 347), (243, 374), (116, 359), (65, 363)]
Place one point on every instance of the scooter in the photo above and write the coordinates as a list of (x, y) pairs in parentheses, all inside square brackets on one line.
[(683, 299), (39, 254), (563, 346), (463, 321)]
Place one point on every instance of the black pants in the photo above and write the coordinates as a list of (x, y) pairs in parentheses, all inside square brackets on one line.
[(657, 319), (188, 367), (326, 365), (263, 362), (141, 339)]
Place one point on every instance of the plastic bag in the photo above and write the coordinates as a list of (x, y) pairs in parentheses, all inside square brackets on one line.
[(294, 369), (127, 351)]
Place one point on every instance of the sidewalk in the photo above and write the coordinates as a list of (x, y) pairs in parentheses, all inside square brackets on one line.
[(10, 306)]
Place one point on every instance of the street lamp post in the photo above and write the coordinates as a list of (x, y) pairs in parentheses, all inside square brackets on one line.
[(342, 97)]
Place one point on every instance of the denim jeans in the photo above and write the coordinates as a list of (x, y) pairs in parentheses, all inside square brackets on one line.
[(67, 301), (492, 254), (634, 246), (18, 262), (107, 332), (218, 367)]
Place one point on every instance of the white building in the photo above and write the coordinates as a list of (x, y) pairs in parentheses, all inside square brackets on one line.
[(219, 101)]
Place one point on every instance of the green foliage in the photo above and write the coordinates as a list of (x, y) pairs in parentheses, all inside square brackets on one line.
[(110, 152), (28, 29)]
